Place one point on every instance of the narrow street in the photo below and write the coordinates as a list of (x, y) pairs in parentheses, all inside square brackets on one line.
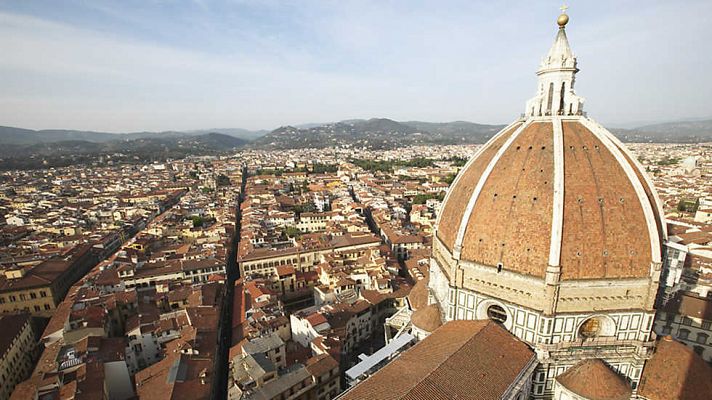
[(221, 370)]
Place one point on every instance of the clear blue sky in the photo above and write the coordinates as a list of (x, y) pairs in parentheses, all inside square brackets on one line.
[(130, 65)]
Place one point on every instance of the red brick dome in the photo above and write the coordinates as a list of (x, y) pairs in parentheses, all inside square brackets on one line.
[(560, 191), (427, 319), (593, 379), (418, 296)]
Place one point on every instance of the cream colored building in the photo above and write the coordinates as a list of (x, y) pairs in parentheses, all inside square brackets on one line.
[(263, 261), (688, 318), (18, 349), (39, 289)]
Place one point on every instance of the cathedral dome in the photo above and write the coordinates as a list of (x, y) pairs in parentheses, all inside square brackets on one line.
[(556, 191), (427, 318), (418, 296), (554, 231), (593, 379)]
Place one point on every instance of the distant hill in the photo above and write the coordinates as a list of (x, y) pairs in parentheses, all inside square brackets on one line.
[(216, 141), (9, 135), (669, 132), (129, 148), (234, 132), (372, 133), (459, 131), (210, 141), (376, 133), (63, 146)]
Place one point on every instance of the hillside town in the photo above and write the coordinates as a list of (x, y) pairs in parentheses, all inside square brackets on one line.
[(263, 274)]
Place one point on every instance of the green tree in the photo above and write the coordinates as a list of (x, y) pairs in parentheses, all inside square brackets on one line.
[(449, 178), (292, 231), (222, 180), (422, 198), (458, 161), (319, 168)]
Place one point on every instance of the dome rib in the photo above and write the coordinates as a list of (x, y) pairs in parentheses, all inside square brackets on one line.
[(466, 181), (640, 171), (480, 184), (654, 235), (557, 212), (510, 224)]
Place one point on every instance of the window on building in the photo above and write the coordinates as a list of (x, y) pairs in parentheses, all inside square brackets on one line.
[(702, 338), (683, 333), (47, 306), (706, 325), (37, 308), (497, 314), (33, 295), (667, 329), (699, 350), (687, 321), (2, 300), (23, 297), (591, 328)]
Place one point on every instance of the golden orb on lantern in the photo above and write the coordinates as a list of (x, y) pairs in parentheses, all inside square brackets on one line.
[(562, 20)]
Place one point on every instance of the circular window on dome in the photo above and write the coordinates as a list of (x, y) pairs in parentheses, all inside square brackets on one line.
[(595, 327), (497, 314), (591, 328)]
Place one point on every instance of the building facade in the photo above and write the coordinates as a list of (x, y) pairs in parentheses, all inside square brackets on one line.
[(39, 289), (18, 350)]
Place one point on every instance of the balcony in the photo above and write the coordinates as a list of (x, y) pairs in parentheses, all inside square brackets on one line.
[(599, 347)]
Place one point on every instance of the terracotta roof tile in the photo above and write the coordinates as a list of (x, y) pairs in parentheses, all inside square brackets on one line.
[(461, 359), (418, 297), (593, 379), (675, 372), (427, 318)]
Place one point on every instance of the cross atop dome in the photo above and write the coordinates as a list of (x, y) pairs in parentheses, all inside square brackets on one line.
[(557, 75), (563, 18)]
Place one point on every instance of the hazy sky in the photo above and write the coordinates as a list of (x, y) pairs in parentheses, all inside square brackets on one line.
[(130, 65)]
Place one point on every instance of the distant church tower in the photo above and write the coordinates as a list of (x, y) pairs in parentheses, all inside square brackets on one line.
[(554, 230)]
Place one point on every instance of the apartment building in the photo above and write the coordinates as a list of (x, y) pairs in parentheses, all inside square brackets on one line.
[(18, 350), (39, 289)]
